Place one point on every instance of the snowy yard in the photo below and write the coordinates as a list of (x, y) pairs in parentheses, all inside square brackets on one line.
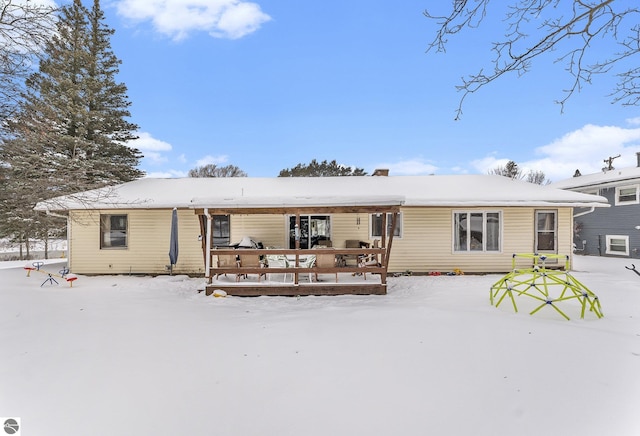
[(152, 356)]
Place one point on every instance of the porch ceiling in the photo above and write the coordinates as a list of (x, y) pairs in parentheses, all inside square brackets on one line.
[(297, 205), (261, 209)]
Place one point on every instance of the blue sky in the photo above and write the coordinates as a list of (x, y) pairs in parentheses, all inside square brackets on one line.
[(269, 84)]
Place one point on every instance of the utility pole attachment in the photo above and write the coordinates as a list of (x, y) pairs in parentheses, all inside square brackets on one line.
[(609, 163)]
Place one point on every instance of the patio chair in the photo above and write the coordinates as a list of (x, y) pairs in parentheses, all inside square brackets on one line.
[(369, 260), (326, 261), (309, 262), (278, 261), (226, 261), (250, 261), (354, 243)]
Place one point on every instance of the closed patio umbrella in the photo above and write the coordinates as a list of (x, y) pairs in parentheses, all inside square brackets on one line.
[(173, 241)]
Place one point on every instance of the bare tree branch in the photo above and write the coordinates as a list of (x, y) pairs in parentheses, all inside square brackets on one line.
[(25, 26), (535, 27)]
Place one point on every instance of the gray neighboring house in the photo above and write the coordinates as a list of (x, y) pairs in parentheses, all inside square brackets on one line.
[(612, 231)]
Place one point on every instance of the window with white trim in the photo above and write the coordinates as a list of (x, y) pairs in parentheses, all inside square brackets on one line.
[(627, 195), (617, 245), (546, 231), (376, 225), (113, 231), (478, 231)]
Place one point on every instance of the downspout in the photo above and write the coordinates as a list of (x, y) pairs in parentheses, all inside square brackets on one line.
[(586, 212), (207, 259), (573, 236)]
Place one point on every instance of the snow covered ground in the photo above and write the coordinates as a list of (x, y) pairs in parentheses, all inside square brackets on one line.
[(152, 356)]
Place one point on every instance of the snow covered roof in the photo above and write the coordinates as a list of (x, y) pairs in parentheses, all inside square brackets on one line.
[(602, 178), (247, 192)]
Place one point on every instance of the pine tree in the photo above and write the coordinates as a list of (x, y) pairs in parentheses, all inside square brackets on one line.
[(71, 130), (75, 107), (510, 170), (321, 169), (108, 128)]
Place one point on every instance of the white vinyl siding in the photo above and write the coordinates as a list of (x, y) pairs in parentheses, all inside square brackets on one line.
[(428, 234), (148, 233), (271, 230), (348, 226), (426, 244)]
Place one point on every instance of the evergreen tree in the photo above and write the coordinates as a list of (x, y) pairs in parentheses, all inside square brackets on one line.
[(75, 109), (70, 132), (107, 103), (510, 170), (321, 169)]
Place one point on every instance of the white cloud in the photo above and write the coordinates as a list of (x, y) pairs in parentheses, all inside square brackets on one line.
[(177, 18), (146, 142), (412, 167), (169, 174), (151, 148), (584, 149), (217, 160), (487, 163)]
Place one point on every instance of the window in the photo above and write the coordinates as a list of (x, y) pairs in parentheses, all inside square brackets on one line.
[(476, 231), (626, 195), (113, 231), (376, 225), (220, 230), (546, 231), (618, 245)]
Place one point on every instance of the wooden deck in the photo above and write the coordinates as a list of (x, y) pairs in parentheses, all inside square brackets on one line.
[(370, 270), (301, 289)]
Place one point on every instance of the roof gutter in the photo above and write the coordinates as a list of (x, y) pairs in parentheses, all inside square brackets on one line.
[(57, 215), (586, 212)]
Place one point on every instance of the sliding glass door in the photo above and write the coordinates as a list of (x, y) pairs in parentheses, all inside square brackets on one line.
[(314, 230)]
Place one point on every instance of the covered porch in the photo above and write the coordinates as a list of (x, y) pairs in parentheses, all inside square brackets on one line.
[(304, 273)]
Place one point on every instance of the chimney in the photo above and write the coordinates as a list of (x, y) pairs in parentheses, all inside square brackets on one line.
[(385, 172)]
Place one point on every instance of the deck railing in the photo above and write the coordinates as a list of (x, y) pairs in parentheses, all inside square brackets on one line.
[(295, 268)]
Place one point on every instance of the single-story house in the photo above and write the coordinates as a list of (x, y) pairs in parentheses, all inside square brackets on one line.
[(421, 224), (613, 231)]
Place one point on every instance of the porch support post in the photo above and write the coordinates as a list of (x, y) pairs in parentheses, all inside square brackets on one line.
[(387, 255), (384, 229), (207, 261), (298, 235)]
